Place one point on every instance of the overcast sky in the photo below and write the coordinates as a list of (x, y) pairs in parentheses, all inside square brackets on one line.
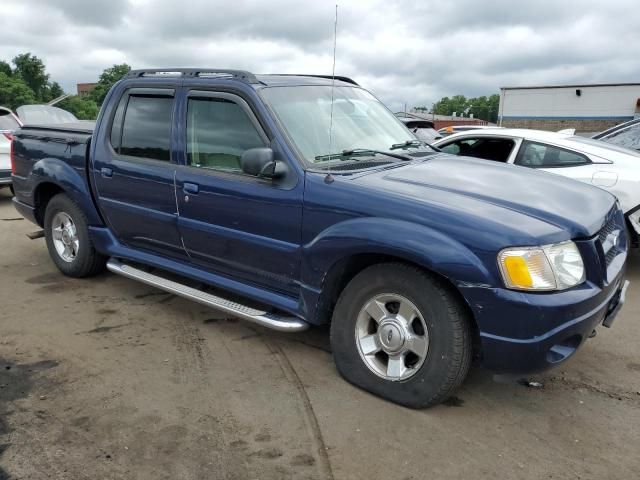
[(404, 51)]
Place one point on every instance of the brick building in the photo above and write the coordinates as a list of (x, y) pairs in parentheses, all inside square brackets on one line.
[(587, 108), (85, 88)]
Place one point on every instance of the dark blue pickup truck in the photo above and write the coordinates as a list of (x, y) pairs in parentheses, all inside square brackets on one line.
[(301, 200)]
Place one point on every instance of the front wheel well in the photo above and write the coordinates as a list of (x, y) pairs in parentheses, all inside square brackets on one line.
[(344, 270), (42, 196)]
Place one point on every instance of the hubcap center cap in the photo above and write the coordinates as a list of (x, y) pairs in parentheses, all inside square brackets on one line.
[(66, 237), (391, 336)]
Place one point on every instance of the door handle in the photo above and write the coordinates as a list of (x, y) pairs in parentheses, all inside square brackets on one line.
[(106, 172), (191, 188)]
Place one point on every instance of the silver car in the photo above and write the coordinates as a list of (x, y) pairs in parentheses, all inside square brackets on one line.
[(8, 124)]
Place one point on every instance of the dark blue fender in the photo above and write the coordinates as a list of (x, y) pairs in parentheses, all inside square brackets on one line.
[(384, 236), (70, 179)]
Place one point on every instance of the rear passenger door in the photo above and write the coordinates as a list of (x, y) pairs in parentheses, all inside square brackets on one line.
[(134, 173), (232, 223)]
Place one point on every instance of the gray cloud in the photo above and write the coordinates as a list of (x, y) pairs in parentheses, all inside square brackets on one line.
[(404, 51)]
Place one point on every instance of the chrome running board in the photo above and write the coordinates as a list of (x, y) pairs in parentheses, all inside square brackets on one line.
[(261, 317)]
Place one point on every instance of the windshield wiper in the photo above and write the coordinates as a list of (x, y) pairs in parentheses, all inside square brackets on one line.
[(413, 143), (361, 152)]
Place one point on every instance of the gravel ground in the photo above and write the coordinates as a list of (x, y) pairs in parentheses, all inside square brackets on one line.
[(109, 378)]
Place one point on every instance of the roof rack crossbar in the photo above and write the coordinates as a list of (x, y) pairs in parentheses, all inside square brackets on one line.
[(194, 72)]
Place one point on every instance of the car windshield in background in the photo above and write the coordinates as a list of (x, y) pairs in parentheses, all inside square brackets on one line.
[(628, 137), (603, 144), (7, 122), (426, 134), (44, 115), (360, 121)]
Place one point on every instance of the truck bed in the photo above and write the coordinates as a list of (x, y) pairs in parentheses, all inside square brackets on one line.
[(62, 149)]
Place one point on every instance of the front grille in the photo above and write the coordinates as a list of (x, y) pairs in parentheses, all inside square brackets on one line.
[(610, 237), (609, 228), (610, 255)]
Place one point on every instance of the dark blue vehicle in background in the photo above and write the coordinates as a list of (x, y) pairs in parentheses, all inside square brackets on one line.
[(292, 201)]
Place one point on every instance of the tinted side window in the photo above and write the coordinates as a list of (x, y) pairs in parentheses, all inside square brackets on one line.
[(628, 137), (497, 149), (218, 132), (146, 129), (541, 156), (452, 148), (460, 147)]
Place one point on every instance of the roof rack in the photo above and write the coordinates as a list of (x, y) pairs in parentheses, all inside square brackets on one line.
[(337, 77), (194, 72)]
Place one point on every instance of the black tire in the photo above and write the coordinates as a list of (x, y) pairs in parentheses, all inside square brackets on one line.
[(449, 329), (87, 261)]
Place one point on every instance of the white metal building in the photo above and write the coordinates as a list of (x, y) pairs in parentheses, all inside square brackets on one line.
[(587, 108)]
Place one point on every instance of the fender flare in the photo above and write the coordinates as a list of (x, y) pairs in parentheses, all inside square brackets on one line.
[(67, 178), (411, 242)]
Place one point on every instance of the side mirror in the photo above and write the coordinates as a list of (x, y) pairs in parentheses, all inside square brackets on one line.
[(260, 162)]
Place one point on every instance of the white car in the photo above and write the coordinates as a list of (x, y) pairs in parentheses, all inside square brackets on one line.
[(8, 124), (608, 166)]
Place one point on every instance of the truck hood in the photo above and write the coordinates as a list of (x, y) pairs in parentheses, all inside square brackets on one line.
[(467, 183)]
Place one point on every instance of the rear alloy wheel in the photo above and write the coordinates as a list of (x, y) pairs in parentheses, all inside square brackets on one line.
[(67, 236), (403, 334)]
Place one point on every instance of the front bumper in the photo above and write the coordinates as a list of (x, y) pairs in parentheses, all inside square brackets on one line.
[(552, 347), (523, 332)]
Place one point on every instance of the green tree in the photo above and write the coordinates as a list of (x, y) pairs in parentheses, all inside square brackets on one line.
[(107, 79), (14, 92), (52, 91), (32, 71), (82, 107), (484, 108), (5, 68), (447, 106)]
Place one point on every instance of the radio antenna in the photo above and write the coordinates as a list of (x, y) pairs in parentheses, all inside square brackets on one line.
[(329, 178)]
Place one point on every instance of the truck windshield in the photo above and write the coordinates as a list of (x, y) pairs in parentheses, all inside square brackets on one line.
[(359, 120)]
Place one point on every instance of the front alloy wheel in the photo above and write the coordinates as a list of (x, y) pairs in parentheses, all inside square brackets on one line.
[(392, 337), (402, 333)]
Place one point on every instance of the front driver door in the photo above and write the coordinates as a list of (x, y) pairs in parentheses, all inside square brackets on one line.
[(235, 224)]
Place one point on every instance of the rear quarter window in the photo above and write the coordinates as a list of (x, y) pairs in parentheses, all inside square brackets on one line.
[(540, 155)]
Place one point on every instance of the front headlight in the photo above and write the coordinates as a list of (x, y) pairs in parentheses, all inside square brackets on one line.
[(550, 267)]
